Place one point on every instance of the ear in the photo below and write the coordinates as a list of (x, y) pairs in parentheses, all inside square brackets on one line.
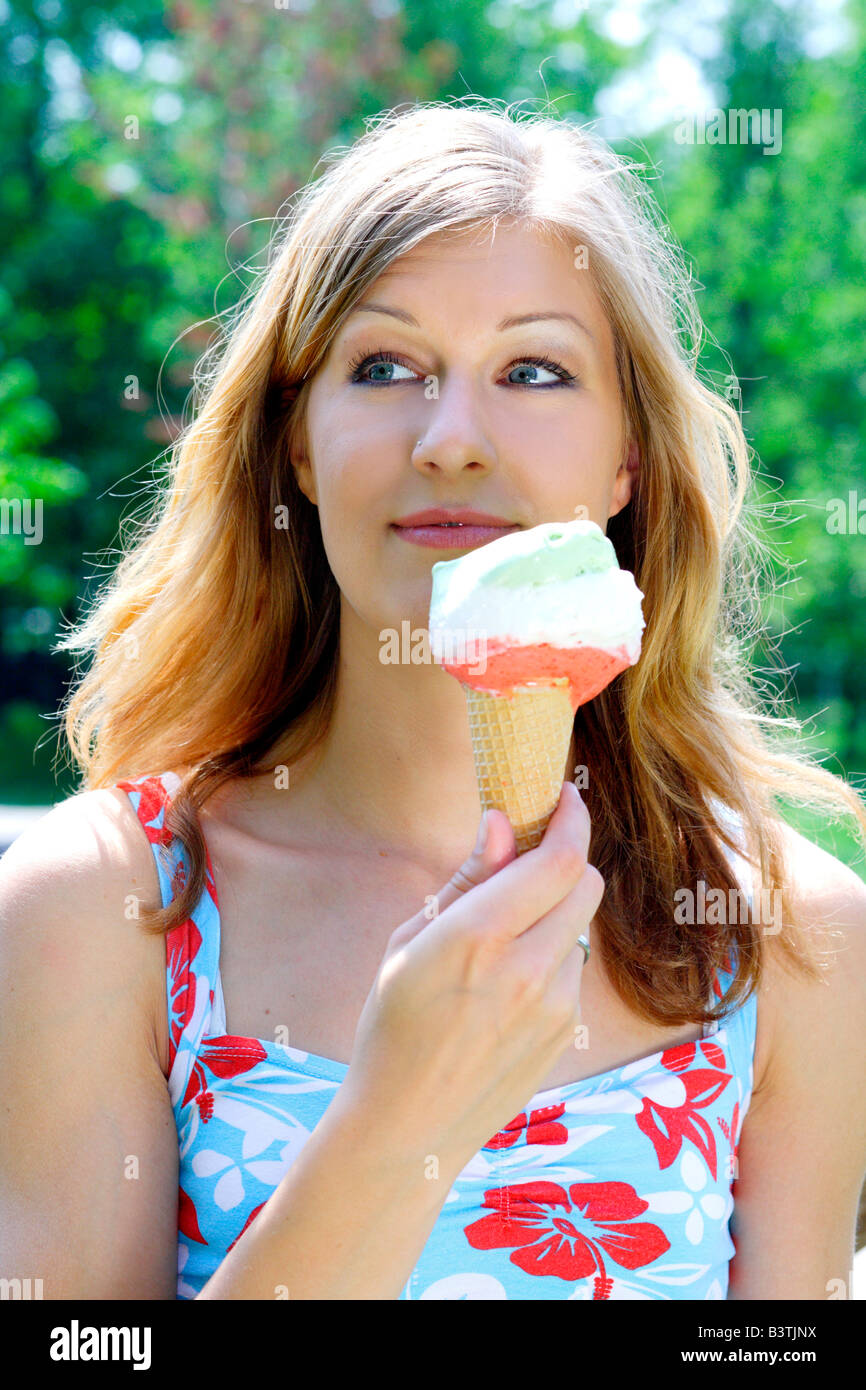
[(297, 443), (306, 482), (624, 481)]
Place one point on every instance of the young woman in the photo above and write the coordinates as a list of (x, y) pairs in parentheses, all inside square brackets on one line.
[(297, 1038)]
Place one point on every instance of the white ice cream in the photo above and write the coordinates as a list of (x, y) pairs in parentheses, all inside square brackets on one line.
[(598, 609)]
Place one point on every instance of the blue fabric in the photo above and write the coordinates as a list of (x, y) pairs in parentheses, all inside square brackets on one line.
[(614, 1187)]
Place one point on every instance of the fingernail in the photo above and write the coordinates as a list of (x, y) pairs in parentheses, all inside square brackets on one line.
[(482, 836)]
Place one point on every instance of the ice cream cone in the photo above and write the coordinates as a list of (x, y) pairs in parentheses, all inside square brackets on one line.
[(559, 621), (520, 744)]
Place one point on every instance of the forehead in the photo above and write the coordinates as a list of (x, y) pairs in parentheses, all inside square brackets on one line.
[(492, 273), (534, 255)]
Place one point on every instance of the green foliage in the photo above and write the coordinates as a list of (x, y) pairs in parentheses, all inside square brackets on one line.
[(779, 244), (144, 155)]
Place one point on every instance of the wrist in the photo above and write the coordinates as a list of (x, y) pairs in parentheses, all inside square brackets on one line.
[(389, 1149)]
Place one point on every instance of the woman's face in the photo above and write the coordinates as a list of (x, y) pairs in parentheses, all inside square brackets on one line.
[(455, 415)]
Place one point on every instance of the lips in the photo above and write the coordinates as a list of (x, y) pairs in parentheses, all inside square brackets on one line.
[(440, 516), (454, 530)]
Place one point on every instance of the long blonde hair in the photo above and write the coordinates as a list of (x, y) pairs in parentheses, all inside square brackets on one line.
[(215, 640)]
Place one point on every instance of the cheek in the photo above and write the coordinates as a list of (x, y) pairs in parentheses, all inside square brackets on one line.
[(559, 482), (576, 431), (344, 474), (353, 510), (366, 481), (576, 465)]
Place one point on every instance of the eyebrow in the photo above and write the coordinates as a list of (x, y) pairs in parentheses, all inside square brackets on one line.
[(513, 321)]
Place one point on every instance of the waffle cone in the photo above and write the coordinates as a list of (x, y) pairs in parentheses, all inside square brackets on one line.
[(520, 744)]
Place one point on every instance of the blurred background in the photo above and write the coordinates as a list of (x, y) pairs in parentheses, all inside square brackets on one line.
[(144, 152)]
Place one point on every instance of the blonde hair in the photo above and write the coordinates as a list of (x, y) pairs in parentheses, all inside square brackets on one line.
[(233, 622)]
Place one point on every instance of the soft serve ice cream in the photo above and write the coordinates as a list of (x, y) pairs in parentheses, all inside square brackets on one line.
[(552, 604)]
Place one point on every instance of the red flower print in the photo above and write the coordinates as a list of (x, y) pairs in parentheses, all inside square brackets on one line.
[(225, 1056), (187, 1218), (209, 879), (713, 1053), (204, 1101), (153, 797), (249, 1221), (182, 945), (541, 1129), (228, 1056), (569, 1241), (667, 1126), (178, 879), (680, 1058), (196, 1086), (730, 1133)]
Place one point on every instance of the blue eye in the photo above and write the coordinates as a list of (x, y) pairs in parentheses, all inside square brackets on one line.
[(371, 361), (362, 364), (536, 364)]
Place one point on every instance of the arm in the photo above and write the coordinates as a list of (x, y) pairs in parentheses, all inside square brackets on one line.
[(348, 1220), (88, 1145), (802, 1153)]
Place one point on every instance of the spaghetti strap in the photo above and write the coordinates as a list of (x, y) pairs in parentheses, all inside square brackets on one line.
[(194, 999)]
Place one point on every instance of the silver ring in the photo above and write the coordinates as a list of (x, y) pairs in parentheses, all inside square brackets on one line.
[(584, 942)]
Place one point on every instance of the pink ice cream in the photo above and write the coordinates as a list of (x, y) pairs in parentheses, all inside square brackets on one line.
[(536, 608)]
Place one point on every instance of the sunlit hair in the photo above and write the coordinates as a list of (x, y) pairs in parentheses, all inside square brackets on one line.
[(215, 640)]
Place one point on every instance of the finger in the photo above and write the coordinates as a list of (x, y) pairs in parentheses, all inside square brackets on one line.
[(553, 938), (529, 886), (486, 859), (567, 982), (499, 849)]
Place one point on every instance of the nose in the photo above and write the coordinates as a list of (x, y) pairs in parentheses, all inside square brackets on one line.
[(453, 435)]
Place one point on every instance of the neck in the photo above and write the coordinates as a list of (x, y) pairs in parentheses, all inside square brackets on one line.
[(395, 769)]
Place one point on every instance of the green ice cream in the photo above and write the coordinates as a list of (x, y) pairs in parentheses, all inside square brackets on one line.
[(553, 551), (550, 603)]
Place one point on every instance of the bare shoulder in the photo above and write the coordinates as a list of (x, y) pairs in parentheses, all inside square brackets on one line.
[(802, 1151), (86, 865), (92, 840), (82, 1088), (831, 901), (825, 886)]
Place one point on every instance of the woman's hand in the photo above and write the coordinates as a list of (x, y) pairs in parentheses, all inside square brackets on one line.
[(472, 1007)]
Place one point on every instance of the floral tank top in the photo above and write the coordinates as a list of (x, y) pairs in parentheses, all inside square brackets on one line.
[(618, 1186)]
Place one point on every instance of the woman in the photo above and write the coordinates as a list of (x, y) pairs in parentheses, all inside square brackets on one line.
[(378, 1086)]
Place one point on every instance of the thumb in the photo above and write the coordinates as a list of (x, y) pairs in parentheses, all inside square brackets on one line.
[(491, 852)]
